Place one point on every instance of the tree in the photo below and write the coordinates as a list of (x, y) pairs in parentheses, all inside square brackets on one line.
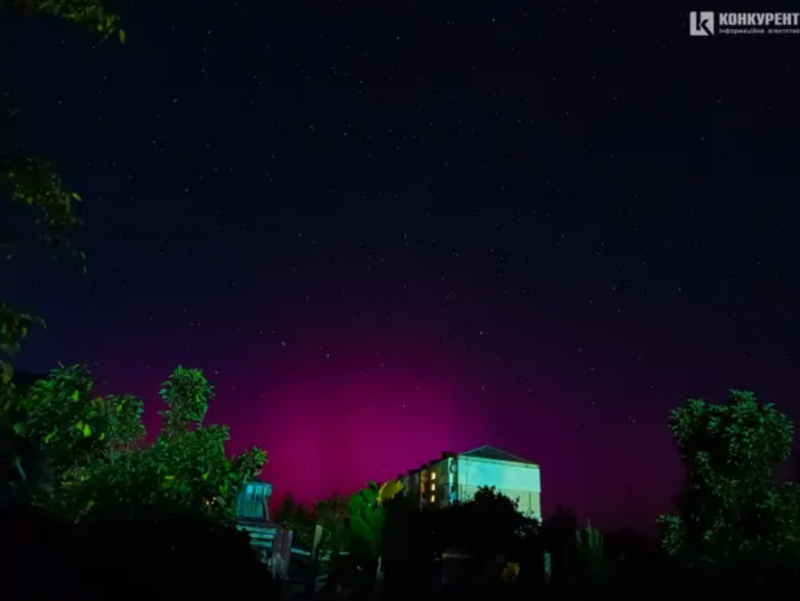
[(91, 14), (591, 556), (333, 516), (367, 520), (32, 183), (94, 449), (299, 519), (368, 514), (496, 528), (734, 508)]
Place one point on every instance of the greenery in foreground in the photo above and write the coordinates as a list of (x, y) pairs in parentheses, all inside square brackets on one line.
[(84, 458), (80, 455), (734, 508), (31, 183), (735, 516)]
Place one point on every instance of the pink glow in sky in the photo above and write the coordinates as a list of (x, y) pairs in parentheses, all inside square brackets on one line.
[(334, 437), (330, 425), (336, 410)]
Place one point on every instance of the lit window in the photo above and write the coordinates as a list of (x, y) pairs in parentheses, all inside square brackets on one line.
[(433, 486), (433, 498), (433, 476)]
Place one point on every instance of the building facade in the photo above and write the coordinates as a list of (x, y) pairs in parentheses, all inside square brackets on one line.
[(252, 503), (252, 517), (456, 477)]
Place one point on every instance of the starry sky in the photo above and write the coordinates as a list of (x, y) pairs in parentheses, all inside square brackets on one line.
[(390, 229)]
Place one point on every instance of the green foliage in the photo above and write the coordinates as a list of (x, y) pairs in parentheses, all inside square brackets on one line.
[(125, 427), (14, 328), (187, 394), (300, 520), (99, 462), (734, 507), (91, 14), (333, 516), (33, 183), (61, 415), (368, 516)]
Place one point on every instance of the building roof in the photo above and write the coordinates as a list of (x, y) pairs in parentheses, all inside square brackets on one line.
[(484, 452), (490, 452)]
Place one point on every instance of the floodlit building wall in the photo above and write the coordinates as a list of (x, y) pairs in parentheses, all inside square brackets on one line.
[(456, 478), (518, 481)]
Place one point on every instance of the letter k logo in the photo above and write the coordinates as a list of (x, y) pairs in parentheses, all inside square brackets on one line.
[(701, 23)]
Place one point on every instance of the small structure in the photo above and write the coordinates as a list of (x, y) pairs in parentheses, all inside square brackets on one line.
[(456, 477), (252, 504), (272, 542), (252, 517)]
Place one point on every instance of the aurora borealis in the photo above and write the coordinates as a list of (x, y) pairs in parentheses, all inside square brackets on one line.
[(387, 230)]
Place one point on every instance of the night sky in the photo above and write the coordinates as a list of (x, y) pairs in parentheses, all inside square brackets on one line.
[(390, 229)]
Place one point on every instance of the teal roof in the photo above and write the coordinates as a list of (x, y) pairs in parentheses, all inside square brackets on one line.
[(490, 452)]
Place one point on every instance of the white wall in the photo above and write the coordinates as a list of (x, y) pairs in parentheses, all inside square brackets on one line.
[(515, 480)]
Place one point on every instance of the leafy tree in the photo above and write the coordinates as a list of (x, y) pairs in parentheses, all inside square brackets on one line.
[(368, 514), (299, 519), (367, 523), (560, 537), (94, 448), (499, 542), (497, 528), (333, 516), (734, 509), (91, 14), (32, 183), (323, 530)]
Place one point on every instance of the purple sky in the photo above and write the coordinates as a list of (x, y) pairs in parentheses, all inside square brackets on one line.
[(391, 229)]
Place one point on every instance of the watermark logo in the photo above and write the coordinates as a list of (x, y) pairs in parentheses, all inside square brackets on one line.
[(701, 23), (708, 23)]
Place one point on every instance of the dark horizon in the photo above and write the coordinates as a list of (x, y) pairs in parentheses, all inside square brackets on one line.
[(390, 230)]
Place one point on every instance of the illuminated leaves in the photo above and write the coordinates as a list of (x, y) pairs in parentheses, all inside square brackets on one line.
[(6, 374), (729, 446), (510, 572), (124, 415), (368, 516), (61, 414), (95, 447), (733, 505), (33, 183), (91, 14), (187, 394), (389, 490), (14, 327)]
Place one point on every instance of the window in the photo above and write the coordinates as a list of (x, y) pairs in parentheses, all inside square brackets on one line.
[(433, 476), (433, 486), (423, 487), (433, 498)]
